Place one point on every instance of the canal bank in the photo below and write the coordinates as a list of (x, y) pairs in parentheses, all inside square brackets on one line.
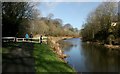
[(108, 46), (48, 61), (55, 44)]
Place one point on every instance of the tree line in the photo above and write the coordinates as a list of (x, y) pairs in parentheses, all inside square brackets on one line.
[(23, 17), (52, 27), (103, 24)]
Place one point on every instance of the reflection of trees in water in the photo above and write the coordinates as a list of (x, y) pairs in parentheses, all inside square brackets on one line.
[(65, 45), (98, 58), (67, 48)]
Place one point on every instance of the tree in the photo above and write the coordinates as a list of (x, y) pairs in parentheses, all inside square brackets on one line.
[(67, 26), (13, 14), (99, 22)]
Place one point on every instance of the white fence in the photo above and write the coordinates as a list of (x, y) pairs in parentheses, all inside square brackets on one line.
[(14, 39)]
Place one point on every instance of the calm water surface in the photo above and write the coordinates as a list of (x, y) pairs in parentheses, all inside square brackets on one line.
[(85, 57)]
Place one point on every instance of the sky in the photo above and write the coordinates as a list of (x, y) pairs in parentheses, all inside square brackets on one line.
[(74, 13)]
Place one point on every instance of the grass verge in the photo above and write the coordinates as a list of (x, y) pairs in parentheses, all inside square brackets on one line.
[(47, 61)]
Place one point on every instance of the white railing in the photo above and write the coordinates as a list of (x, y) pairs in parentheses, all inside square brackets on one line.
[(14, 39), (7, 39)]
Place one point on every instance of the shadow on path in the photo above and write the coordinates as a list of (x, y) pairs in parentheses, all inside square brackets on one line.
[(18, 57)]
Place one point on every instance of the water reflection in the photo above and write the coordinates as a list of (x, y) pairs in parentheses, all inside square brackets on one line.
[(91, 58)]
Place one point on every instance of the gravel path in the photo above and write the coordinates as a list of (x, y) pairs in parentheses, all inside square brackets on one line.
[(19, 59)]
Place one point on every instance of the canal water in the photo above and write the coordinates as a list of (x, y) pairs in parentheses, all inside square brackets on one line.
[(85, 57)]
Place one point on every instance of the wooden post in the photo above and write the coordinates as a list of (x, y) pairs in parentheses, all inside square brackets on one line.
[(47, 40), (39, 40), (14, 39), (23, 40)]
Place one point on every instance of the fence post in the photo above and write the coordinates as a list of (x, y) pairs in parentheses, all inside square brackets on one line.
[(14, 39), (47, 40), (39, 40), (23, 39)]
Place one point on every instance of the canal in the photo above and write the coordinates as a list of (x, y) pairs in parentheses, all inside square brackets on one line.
[(85, 57)]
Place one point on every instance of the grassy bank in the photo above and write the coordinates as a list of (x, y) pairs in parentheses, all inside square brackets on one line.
[(47, 61)]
